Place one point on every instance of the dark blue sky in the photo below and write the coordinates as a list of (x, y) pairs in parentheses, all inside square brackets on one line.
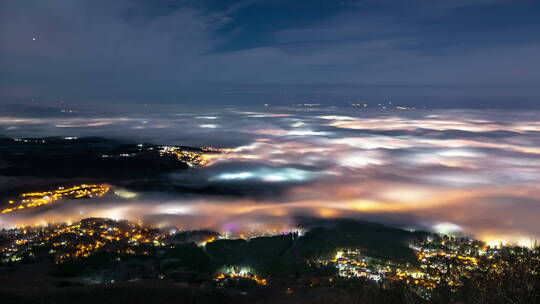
[(463, 53)]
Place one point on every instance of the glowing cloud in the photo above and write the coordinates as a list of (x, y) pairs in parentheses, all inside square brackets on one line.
[(267, 175)]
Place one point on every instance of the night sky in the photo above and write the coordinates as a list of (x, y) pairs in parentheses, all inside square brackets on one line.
[(453, 53)]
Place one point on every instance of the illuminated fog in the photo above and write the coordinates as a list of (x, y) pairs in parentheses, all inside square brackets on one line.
[(474, 172)]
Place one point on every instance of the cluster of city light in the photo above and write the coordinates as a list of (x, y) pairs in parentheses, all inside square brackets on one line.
[(81, 239), (206, 241), (353, 262), (193, 157), (29, 140), (88, 236), (37, 199), (440, 259), (234, 273)]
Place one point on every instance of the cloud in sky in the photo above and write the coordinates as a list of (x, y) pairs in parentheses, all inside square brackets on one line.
[(155, 51)]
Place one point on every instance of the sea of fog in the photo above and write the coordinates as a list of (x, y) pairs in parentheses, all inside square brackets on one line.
[(475, 172)]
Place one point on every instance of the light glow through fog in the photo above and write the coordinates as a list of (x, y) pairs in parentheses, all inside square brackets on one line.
[(267, 175)]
